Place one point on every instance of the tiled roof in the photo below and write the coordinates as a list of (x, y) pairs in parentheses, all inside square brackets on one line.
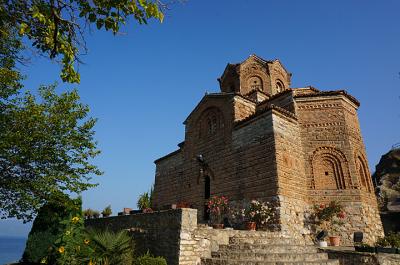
[(329, 93), (166, 156)]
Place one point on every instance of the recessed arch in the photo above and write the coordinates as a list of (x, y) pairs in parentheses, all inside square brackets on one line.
[(210, 122), (329, 170), (255, 82), (279, 86), (363, 174)]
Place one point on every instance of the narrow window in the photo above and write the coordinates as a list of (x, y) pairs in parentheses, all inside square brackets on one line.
[(279, 86)]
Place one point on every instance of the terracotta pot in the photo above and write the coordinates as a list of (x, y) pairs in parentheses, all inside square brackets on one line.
[(334, 241), (218, 226), (251, 226)]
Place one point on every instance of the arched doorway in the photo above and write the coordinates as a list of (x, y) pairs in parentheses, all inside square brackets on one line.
[(207, 195)]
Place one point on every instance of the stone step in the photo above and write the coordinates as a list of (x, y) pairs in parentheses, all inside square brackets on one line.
[(282, 257), (213, 261), (266, 248), (267, 240)]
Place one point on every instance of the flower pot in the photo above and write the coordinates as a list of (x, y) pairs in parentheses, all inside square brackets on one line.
[(334, 241), (322, 244), (218, 226), (251, 226), (364, 249), (386, 250)]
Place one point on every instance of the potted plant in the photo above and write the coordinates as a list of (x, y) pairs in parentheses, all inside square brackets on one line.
[(88, 213), (257, 214), (96, 214), (330, 218), (364, 248), (217, 207), (107, 211), (388, 244)]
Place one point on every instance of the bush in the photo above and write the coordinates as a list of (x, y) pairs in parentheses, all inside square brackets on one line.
[(391, 240), (109, 248), (147, 259), (38, 246), (47, 227)]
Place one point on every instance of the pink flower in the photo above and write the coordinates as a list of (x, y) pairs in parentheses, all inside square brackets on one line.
[(341, 215)]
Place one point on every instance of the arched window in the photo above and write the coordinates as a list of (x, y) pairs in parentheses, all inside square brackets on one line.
[(255, 83), (279, 86), (212, 124)]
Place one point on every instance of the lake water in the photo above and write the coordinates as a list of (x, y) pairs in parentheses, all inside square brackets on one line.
[(11, 249)]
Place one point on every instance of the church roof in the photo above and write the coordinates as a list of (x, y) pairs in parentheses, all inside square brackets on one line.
[(318, 93), (207, 96)]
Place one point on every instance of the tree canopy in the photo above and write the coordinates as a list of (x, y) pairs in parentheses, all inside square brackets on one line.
[(47, 139), (56, 28), (46, 147)]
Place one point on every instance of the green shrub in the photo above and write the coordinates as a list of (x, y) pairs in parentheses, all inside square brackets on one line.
[(109, 248), (47, 227), (39, 246), (147, 259), (391, 240)]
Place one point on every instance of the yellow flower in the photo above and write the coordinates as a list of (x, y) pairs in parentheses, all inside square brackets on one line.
[(68, 232), (75, 219), (43, 261), (61, 249), (86, 241)]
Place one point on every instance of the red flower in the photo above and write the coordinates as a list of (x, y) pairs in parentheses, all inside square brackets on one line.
[(321, 206), (341, 215)]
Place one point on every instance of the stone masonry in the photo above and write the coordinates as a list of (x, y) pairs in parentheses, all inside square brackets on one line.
[(260, 139)]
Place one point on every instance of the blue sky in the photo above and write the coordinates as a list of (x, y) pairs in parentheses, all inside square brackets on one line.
[(143, 83)]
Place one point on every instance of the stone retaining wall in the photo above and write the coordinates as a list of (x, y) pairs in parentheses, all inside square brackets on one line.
[(350, 257), (163, 233), (173, 234)]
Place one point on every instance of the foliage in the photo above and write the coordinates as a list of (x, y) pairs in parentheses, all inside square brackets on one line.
[(217, 207), (88, 213), (329, 217), (38, 246), (147, 259), (71, 247), (109, 248), (46, 145), (144, 201), (107, 211), (259, 212), (391, 240), (96, 214), (57, 28), (48, 226)]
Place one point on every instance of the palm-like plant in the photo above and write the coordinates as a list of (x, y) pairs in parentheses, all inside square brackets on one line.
[(143, 201), (109, 248)]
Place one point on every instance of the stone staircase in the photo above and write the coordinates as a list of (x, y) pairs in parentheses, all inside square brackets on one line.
[(267, 250)]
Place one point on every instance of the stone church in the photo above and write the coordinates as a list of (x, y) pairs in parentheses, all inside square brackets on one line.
[(261, 139)]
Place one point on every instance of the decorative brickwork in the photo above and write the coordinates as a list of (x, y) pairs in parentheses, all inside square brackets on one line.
[(260, 139)]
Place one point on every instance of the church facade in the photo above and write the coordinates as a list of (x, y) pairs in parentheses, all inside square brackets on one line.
[(261, 139)]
